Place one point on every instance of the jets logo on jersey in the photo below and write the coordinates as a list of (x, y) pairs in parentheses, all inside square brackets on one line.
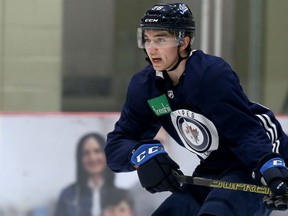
[(198, 134)]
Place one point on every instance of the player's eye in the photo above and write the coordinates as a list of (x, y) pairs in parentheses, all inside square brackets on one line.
[(147, 40), (160, 40)]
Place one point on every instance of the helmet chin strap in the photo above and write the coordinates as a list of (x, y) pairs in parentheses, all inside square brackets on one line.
[(180, 59)]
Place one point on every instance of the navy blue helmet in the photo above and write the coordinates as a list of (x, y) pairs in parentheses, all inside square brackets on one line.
[(175, 17)]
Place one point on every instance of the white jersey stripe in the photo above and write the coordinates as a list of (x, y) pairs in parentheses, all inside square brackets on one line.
[(273, 147), (267, 127), (268, 134), (272, 125), (277, 146)]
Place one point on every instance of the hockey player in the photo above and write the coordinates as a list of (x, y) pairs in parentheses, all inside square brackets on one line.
[(198, 100)]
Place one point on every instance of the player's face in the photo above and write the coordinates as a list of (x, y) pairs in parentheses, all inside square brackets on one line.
[(93, 158), (161, 47)]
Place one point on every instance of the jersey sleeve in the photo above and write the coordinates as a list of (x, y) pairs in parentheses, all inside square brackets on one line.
[(223, 100), (136, 123)]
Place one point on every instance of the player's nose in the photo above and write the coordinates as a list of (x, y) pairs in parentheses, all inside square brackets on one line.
[(151, 46)]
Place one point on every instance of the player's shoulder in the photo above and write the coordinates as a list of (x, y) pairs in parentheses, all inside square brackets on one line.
[(206, 61), (208, 66), (202, 57), (142, 82), (143, 77)]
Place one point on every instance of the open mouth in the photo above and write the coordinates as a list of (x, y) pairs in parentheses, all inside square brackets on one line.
[(156, 60)]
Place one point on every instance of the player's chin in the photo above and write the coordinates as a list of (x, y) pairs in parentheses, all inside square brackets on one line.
[(158, 67)]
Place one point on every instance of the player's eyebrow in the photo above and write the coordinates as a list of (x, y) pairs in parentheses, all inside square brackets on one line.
[(160, 34)]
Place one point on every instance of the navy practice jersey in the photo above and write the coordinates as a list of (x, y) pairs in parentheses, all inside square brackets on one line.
[(207, 113)]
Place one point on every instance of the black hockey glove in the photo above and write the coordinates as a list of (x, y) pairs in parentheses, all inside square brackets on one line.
[(272, 172), (154, 167)]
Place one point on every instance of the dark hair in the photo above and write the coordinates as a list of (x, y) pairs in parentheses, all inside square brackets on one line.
[(81, 175)]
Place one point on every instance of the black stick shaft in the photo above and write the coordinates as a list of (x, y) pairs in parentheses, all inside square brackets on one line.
[(182, 179)]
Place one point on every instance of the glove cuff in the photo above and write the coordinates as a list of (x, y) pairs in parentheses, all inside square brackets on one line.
[(144, 151), (266, 158), (264, 164), (270, 167), (272, 163)]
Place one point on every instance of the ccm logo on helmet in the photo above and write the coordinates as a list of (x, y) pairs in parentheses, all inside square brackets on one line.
[(151, 20)]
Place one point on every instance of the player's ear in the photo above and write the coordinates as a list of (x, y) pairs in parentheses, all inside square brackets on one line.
[(184, 43)]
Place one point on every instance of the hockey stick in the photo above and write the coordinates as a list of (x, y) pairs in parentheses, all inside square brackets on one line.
[(182, 179)]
